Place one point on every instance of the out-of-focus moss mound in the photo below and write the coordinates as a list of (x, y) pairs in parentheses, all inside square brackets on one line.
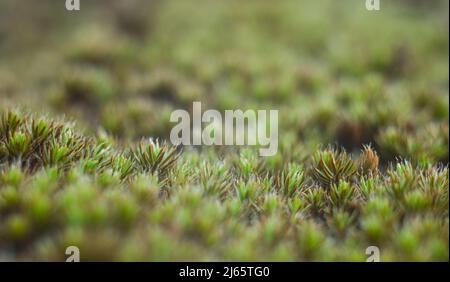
[(341, 77)]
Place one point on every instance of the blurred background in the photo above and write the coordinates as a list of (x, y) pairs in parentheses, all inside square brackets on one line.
[(337, 72)]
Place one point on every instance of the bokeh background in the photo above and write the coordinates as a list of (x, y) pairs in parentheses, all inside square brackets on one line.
[(337, 72)]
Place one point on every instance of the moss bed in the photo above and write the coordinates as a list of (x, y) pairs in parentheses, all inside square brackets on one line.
[(85, 156)]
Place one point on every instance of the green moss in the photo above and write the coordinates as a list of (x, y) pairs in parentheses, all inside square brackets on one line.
[(363, 132)]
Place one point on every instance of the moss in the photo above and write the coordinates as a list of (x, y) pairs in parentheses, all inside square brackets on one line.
[(363, 132)]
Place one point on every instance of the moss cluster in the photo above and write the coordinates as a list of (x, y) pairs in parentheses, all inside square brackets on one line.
[(150, 201), (363, 131)]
